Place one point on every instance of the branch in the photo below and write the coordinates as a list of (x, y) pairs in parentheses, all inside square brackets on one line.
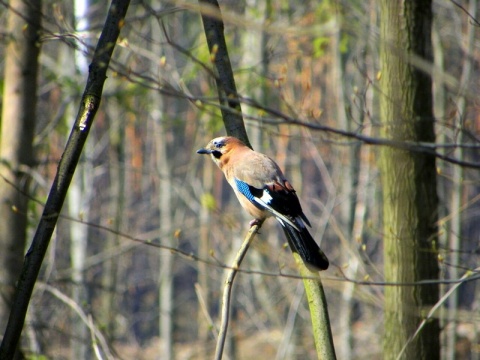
[(227, 90), (277, 117), (88, 108), (317, 303), (93, 260), (227, 290), (414, 146), (204, 308), (96, 334), (474, 20)]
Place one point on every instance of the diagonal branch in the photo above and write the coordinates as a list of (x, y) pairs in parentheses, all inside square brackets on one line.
[(227, 90), (227, 291), (317, 303), (96, 334), (71, 155), (434, 308)]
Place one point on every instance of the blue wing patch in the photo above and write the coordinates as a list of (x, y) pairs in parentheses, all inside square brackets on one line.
[(276, 203), (246, 190)]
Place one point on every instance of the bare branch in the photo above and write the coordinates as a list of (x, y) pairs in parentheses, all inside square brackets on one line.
[(227, 90), (475, 21), (227, 290), (87, 319), (435, 308)]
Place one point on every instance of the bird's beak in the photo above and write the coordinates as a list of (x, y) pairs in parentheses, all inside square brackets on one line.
[(204, 151)]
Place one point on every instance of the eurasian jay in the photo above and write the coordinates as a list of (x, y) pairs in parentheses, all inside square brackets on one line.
[(263, 191)]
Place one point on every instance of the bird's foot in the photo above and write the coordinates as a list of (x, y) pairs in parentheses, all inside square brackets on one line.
[(256, 222)]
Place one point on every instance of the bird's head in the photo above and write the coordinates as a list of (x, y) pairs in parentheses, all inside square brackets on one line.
[(219, 147)]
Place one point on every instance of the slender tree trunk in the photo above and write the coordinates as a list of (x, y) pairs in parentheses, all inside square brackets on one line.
[(440, 111), (253, 56), (118, 190), (165, 191), (78, 249), (455, 233), (78, 196), (346, 186), (204, 247), (16, 138), (410, 199), (166, 258)]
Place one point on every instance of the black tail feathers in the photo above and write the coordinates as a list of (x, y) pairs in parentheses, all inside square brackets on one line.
[(302, 243)]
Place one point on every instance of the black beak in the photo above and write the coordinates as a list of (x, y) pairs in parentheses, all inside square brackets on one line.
[(204, 151)]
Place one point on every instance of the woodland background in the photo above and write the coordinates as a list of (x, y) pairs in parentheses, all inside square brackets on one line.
[(139, 250)]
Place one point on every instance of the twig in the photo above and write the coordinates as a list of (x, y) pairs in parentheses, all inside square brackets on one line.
[(435, 308), (227, 290), (96, 350), (96, 334), (289, 325), (204, 308), (474, 20)]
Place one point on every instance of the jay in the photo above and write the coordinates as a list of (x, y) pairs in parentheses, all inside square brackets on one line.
[(263, 191)]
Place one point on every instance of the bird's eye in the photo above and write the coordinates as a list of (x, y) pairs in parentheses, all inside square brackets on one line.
[(219, 144)]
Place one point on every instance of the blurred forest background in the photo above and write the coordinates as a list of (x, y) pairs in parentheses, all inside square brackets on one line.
[(137, 257)]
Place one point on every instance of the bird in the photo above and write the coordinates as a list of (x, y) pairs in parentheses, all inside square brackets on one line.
[(263, 191)]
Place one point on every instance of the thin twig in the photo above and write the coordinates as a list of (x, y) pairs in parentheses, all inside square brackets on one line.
[(204, 308), (227, 290), (96, 350), (93, 260), (96, 334), (289, 325), (434, 309), (474, 20)]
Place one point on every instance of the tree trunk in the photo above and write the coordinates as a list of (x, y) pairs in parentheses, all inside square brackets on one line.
[(165, 197), (408, 178), (17, 130), (118, 190), (204, 247), (78, 195), (165, 257), (346, 187)]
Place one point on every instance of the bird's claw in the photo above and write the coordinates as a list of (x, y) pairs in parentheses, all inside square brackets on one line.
[(255, 222)]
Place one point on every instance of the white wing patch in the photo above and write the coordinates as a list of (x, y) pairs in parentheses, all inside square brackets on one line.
[(265, 202), (266, 197)]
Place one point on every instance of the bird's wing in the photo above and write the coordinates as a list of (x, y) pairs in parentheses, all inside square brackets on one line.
[(281, 202)]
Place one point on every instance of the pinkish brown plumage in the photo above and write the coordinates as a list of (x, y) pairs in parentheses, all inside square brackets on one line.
[(263, 191)]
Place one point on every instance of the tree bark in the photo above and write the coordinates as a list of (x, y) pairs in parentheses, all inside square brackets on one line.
[(410, 199)]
